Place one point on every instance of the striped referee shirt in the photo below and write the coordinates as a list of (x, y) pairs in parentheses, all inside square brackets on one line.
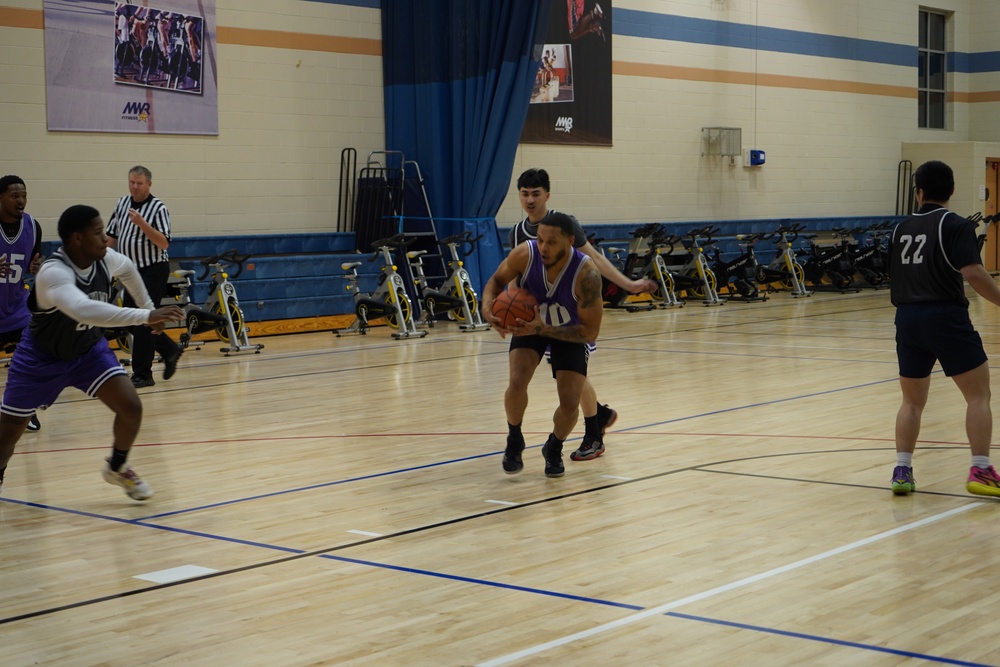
[(132, 241)]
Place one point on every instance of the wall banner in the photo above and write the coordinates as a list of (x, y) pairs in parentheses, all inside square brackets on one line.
[(145, 67), (571, 100)]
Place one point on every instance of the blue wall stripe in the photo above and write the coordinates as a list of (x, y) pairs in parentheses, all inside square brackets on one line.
[(372, 4), (634, 23)]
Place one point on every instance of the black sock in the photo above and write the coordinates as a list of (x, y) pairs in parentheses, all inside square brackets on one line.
[(2, 473), (554, 444), (118, 459), (514, 432), (591, 430)]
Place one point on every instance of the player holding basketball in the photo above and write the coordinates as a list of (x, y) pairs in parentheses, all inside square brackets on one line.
[(64, 345), (932, 252), (533, 190), (567, 286)]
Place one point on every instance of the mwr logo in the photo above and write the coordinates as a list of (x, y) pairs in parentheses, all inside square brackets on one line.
[(564, 123), (136, 111)]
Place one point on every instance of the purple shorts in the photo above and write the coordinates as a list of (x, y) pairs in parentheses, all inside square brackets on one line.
[(35, 378)]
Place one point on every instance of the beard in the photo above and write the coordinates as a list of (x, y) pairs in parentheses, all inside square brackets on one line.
[(552, 260)]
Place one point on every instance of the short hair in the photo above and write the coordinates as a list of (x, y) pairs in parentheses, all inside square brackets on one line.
[(139, 169), (8, 181), (936, 179), (560, 220), (534, 178), (76, 219)]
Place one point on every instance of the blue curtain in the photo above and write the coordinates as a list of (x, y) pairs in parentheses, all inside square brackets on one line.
[(458, 76)]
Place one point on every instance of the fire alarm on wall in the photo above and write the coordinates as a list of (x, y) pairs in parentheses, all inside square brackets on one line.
[(753, 157)]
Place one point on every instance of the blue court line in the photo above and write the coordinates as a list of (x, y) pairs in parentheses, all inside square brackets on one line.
[(826, 640), (141, 522), (482, 582), (318, 486), (489, 454), (632, 607)]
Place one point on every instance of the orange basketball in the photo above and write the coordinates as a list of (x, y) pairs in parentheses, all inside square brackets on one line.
[(512, 304)]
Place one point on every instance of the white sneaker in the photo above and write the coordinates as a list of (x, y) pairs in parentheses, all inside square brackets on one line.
[(127, 478)]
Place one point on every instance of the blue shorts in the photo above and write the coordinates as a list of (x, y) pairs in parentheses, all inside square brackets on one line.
[(563, 355), (936, 331), (35, 378)]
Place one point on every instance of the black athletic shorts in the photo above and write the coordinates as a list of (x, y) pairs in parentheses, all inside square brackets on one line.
[(565, 356), (936, 331)]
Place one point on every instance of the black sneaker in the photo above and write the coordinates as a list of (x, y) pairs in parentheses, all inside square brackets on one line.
[(170, 363), (606, 418), (139, 381), (512, 463), (553, 459), (34, 424), (589, 449)]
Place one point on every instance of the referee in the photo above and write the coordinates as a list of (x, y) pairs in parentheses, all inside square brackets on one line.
[(139, 228)]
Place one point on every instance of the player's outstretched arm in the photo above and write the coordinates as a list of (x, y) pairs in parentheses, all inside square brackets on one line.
[(982, 282), (609, 271)]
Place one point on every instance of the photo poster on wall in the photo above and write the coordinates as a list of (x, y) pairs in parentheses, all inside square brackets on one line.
[(136, 67), (571, 98)]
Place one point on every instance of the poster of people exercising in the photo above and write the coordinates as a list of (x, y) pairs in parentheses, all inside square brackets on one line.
[(571, 98), (117, 66)]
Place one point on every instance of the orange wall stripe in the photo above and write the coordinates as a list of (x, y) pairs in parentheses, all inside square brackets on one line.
[(750, 79), (297, 41), (11, 17)]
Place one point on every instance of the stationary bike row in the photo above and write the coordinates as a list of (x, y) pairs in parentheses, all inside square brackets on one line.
[(389, 300), (744, 275), (455, 296), (221, 311), (651, 255)]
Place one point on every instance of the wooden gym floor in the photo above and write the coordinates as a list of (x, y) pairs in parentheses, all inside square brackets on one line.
[(340, 501)]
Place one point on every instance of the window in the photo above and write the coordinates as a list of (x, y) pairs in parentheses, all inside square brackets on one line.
[(931, 70)]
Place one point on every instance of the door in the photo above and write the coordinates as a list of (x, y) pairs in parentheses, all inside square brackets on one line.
[(991, 252)]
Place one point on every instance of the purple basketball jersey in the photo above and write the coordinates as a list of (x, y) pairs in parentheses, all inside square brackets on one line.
[(17, 251), (556, 300)]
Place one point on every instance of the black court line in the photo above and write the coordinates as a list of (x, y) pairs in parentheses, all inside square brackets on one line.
[(330, 553), (300, 554)]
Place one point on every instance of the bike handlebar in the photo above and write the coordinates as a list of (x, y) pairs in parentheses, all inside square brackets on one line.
[(465, 238), (230, 257)]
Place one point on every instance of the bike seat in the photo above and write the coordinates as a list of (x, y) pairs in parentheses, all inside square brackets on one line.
[(413, 254), (182, 273), (347, 266)]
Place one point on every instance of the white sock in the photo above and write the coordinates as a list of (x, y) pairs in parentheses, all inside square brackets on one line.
[(904, 459), (981, 462)]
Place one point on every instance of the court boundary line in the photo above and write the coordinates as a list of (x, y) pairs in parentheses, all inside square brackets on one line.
[(725, 588)]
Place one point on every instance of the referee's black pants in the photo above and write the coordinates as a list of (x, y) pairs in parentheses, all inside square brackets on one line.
[(146, 344)]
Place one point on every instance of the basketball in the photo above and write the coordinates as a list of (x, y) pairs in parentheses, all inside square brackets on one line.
[(512, 304)]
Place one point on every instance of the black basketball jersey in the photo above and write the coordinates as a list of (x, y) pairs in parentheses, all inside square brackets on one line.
[(57, 333), (928, 251), (526, 230)]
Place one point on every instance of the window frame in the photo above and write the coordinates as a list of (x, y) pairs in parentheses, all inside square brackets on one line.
[(932, 69)]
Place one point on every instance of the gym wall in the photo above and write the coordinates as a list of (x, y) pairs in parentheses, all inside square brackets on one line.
[(299, 80)]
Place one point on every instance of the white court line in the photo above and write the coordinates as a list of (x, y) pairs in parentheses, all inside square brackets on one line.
[(502, 502), (365, 533), (175, 574), (656, 611), (627, 479)]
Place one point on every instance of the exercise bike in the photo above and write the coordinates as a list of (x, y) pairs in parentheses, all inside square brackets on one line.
[(455, 296), (739, 276), (389, 300), (830, 263), (661, 246), (221, 311), (691, 272), (226, 320), (784, 269)]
